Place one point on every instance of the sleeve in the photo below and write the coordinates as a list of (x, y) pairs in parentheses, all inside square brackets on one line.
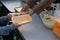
[(3, 20), (31, 2), (6, 29), (42, 5)]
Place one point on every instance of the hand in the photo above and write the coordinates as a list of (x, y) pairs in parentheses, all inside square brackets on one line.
[(30, 12), (27, 10), (17, 25), (9, 16)]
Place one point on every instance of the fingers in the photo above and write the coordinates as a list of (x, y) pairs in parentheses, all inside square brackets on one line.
[(9, 16), (25, 8), (17, 25)]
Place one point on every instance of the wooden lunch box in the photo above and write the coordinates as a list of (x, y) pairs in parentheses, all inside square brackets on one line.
[(21, 18)]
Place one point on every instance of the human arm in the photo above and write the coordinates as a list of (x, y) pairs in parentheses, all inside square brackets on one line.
[(39, 7), (30, 3), (42, 5), (5, 30), (4, 20)]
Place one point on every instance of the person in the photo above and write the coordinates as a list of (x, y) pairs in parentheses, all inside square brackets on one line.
[(36, 6), (5, 30)]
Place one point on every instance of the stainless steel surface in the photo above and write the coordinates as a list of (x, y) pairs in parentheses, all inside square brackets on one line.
[(37, 31), (11, 4), (34, 30)]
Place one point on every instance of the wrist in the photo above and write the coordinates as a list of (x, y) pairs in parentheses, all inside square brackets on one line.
[(31, 11), (9, 18)]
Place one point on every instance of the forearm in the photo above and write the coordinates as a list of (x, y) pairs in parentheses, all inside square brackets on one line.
[(31, 2), (3, 20), (43, 4), (6, 29)]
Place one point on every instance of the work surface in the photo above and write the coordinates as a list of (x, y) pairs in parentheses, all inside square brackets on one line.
[(34, 30), (37, 31)]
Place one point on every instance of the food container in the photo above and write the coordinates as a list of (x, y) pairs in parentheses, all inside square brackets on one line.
[(21, 18), (56, 28), (47, 19)]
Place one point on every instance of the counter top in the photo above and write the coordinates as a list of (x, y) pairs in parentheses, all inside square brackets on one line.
[(37, 31)]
